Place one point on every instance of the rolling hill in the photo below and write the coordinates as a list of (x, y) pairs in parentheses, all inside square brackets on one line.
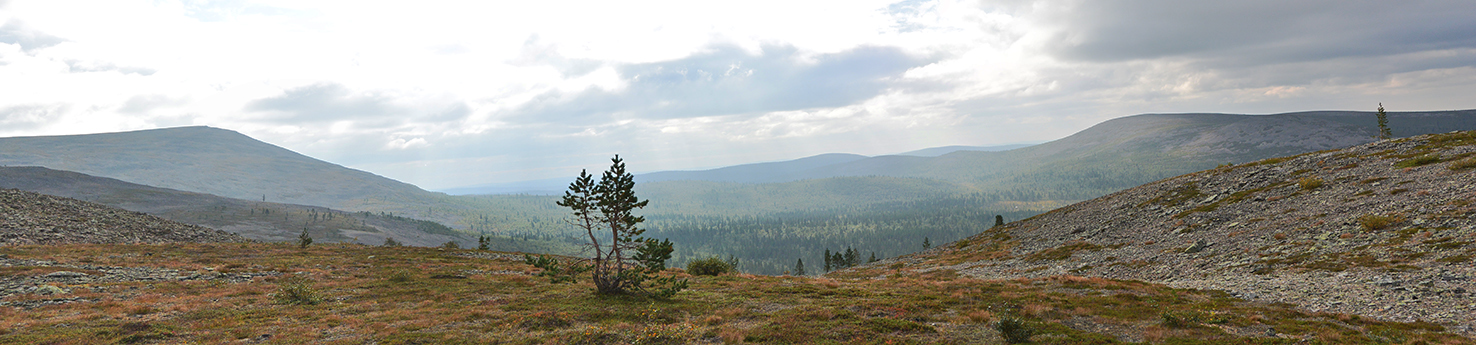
[(213, 161), (890, 204), (886, 199), (943, 150), (257, 220), (1384, 229), (1128, 151)]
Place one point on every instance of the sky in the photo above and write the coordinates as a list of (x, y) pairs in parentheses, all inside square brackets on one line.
[(446, 94)]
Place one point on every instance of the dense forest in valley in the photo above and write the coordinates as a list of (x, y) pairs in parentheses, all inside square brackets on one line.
[(767, 227)]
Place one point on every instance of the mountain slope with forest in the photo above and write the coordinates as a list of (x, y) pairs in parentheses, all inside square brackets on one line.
[(956, 195), (1386, 229)]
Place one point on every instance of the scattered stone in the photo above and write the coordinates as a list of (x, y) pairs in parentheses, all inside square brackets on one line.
[(34, 218), (1373, 240)]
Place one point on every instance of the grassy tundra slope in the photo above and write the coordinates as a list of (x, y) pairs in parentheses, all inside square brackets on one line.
[(352, 294)]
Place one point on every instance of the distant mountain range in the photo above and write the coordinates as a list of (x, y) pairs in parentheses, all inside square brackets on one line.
[(1111, 156), (939, 151), (1140, 148), (768, 172), (1115, 154)]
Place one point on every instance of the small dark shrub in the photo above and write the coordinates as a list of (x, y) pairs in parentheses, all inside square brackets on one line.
[(391, 242), (1174, 319), (297, 290), (304, 240), (710, 266), (451, 245), (401, 276), (1014, 330)]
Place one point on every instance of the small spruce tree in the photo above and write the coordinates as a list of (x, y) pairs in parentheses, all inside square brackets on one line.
[(1384, 131), (828, 264), (998, 220), (799, 267), (304, 240), (927, 243)]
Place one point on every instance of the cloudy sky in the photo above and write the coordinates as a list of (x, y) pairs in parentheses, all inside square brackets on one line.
[(447, 94)]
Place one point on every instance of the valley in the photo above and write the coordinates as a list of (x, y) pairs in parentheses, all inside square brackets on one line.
[(1366, 245), (771, 214)]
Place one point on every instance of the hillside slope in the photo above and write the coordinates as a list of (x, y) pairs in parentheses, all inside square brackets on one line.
[(262, 221), (1383, 229), (352, 294), (1129, 151), (33, 218), (213, 161)]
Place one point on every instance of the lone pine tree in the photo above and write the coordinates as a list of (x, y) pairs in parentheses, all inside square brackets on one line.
[(624, 261)]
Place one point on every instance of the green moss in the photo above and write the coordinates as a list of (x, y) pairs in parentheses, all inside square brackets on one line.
[(1062, 252), (1464, 164), (1419, 161)]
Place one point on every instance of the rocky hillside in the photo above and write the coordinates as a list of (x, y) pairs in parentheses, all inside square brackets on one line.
[(1384, 229), (32, 218), (262, 221)]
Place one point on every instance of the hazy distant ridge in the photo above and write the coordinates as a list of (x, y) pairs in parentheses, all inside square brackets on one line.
[(207, 160)]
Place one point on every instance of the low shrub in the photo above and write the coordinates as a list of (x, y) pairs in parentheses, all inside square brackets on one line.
[(304, 240), (1178, 319), (297, 290), (1014, 330), (1464, 164), (1372, 222), (1310, 183), (401, 276), (710, 266), (1418, 161)]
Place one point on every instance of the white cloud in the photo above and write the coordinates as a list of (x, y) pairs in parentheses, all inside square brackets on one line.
[(523, 89)]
